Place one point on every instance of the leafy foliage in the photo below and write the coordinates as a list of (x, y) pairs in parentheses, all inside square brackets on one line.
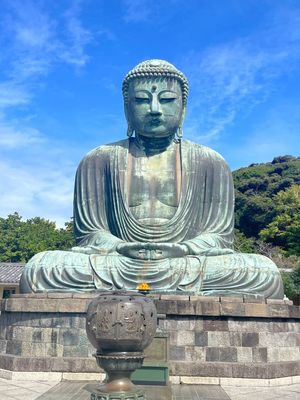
[(291, 282), (20, 240), (256, 187), (268, 215), (284, 229), (243, 244)]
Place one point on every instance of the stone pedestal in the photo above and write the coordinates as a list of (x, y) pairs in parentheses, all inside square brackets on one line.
[(231, 338), (208, 338)]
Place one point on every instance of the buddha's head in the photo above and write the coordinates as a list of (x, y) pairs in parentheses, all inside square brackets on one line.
[(155, 95)]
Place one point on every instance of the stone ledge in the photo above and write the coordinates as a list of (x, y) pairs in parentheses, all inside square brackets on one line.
[(156, 296), (236, 370), (45, 305), (51, 376), (55, 295), (202, 306), (46, 364), (165, 304), (237, 382), (187, 380)]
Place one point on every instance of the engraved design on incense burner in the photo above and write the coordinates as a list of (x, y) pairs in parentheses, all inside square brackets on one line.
[(120, 325)]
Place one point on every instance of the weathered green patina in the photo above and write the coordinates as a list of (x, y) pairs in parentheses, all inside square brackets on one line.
[(154, 208)]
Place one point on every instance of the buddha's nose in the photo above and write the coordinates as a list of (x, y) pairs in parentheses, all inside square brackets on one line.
[(155, 106)]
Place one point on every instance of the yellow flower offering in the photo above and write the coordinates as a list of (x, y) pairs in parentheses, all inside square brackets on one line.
[(143, 286)]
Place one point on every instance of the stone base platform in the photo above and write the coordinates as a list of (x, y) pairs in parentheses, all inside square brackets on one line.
[(201, 339)]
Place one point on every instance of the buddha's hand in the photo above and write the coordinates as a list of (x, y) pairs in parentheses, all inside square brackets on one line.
[(160, 251), (132, 249), (152, 251)]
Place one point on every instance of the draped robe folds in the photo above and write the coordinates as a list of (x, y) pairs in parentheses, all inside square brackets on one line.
[(203, 222)]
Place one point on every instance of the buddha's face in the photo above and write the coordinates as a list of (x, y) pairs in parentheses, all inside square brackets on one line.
[(154, 106)]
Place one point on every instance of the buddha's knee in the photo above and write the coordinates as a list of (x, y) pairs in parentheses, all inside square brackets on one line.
[(241, 261), (50, 269), (257, 261), (238, 274), (57, 258)]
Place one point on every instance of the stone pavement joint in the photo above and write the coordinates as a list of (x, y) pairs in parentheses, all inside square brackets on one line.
[(78, 390)]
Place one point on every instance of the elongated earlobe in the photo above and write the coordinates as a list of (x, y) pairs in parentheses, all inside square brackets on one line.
[(130, 131), (179, 133)]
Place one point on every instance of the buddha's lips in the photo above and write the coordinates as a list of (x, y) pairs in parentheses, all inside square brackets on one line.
[(155, 121)]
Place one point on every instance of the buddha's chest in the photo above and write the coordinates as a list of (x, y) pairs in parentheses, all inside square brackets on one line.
[(153, 189)]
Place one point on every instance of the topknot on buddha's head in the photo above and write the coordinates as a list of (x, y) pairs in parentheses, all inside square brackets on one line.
[(156, 69)]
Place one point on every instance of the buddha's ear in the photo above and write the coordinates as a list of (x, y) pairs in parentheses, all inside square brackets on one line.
[(126, 111), (179, 131), (183, 115), (130, 130)]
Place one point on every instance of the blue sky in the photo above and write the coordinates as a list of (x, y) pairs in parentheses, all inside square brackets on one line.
[(62, 63)]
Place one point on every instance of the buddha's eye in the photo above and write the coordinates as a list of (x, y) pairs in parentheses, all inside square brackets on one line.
[(167, 100), (142, 100)]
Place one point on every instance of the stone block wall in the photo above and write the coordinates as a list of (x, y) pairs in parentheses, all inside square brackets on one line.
[(231, 337), (51, 335), (233, 347), (41, 333), (207, 337)]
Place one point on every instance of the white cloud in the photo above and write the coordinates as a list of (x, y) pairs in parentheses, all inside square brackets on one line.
[(12, 94), (10, 138), (148, 11), (33, 29), (31, 46), (277, 134), (137, 10), (233, 77), (36, 176), (37, 41), (30, 35), (37, 188), (77, 37)]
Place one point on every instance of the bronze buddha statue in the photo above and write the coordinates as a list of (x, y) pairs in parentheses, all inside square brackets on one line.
[(154, 208)]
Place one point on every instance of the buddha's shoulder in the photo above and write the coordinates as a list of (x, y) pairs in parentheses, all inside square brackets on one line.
[(106, 150), (203, 151)]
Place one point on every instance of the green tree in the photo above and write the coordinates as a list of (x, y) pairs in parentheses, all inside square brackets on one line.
[(256, 186), (10, 228), (242, 243), (284, 229), (20, 240), (253, 213), (291, 283)]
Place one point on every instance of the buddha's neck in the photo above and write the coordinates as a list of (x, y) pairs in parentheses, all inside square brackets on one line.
[(152, 146)]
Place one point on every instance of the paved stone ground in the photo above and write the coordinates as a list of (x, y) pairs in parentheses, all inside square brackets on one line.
[(23, 390), (291, 392), (34, 390)]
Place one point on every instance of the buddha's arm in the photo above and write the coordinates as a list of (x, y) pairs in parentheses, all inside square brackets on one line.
[(213, 198), (99, 242), (208, 244), (90, 205)]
